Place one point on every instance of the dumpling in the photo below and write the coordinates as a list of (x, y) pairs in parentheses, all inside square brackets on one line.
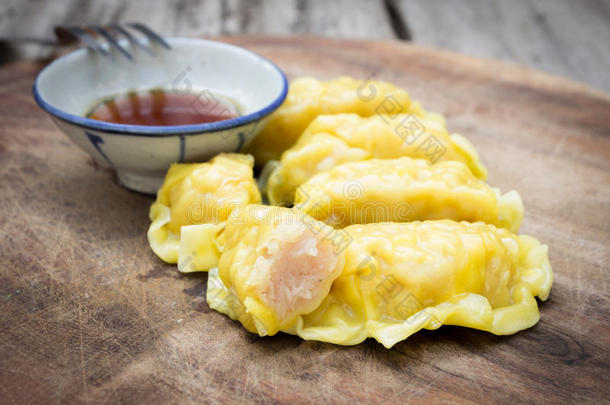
[(404, 190), (309, 97), (387, 280), (193, 202), (334, 139), (277, 264)]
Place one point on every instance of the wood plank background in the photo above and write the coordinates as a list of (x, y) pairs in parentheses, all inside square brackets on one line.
[(565, 37)]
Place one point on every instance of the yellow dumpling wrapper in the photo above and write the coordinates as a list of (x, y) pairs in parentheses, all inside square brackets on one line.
[(196, 198), (395, 279), (405, 190), (334, 139), (308, 97), (277, 264)]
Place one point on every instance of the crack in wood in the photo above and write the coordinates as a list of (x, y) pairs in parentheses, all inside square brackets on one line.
[(397, 22)]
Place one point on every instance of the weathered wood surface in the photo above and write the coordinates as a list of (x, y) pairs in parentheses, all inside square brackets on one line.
[(89, 314), (564, 37)]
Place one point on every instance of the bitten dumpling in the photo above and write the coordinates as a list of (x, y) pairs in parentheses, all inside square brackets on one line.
[(405, 190), (308, 97), (387, 280), (277, 264), (334, 139), (193, 202)]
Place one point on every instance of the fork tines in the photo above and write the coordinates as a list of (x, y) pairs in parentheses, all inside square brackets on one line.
[(90, 35)]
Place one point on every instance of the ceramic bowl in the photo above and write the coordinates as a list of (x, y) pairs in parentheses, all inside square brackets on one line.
[(70, 87)]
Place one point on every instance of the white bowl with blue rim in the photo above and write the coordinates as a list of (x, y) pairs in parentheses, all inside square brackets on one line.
[(71, 85)]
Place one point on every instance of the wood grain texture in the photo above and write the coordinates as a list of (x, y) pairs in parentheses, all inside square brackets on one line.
[(89, 314), (343, 19), (563, 37), (569, 38)]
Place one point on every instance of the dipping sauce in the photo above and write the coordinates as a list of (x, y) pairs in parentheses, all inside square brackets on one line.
[(163, 108)]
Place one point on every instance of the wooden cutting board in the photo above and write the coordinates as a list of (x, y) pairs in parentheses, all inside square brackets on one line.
[(88, 312)]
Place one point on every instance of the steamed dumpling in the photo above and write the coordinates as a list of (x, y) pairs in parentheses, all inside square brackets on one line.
[(385, 281), (277, 264), (308, 97), (404, 190), (334, 139), (193, 202)]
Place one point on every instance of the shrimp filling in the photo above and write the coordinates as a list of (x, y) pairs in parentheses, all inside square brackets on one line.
[(295, 270)]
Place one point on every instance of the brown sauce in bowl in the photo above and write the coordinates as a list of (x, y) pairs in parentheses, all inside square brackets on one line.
[(163, 108)]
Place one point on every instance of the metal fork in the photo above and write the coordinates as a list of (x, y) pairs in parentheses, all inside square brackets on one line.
[(90, 35)]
